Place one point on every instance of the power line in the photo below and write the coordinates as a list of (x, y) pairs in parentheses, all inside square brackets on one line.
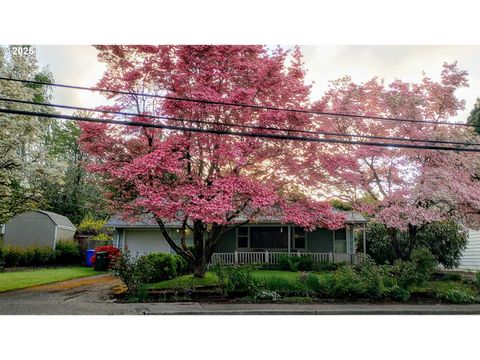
[(257, 127), (242, 105), (235, 133)]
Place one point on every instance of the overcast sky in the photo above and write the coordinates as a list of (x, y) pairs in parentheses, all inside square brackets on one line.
[(78, 65)]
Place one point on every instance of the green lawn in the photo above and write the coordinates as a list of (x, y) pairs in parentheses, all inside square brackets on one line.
[(23, 279), (442, 286), (188, 281)]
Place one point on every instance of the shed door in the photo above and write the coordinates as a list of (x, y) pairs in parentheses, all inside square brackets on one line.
[(141, 242)]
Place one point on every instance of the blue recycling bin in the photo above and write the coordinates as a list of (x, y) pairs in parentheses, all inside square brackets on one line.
[(88, 257)]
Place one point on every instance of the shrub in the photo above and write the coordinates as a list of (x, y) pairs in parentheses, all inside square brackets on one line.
[(295, 263), (405, 273), (425, 264), (90, 225), (67, 252), (287, 263), (304, 264), (2, 256), (235, 279), (477, 280), (163, 266), (455, 296), (396, 292), (43, 256), (453, 277), (131, 272), (327, 266), (12, 256)]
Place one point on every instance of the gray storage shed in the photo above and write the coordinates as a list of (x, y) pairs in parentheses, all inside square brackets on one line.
[(38, 228)]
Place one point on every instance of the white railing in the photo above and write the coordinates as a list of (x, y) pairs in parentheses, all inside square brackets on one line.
[(273, 257)]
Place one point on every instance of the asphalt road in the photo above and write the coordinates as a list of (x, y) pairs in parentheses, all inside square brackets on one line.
[(92, 296)]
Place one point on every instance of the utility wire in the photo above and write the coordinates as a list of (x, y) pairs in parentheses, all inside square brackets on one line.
[(257, 127), (235, 133), (242, 105)]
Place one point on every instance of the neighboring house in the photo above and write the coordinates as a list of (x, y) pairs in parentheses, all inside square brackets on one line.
[(271, 235), (38, 228), (471, 256)]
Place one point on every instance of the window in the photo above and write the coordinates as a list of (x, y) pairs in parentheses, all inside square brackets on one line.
[(299, 238), (341, 241), (242, 237), (268, 237)]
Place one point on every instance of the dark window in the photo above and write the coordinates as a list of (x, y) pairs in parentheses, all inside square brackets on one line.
[(299, 238), (242, 238), (269, 237), (341, 241)]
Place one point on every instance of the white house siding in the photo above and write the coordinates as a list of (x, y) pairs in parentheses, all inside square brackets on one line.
[(471, 256), (141, 242)]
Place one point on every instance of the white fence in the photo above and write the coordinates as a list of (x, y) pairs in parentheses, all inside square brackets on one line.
[(267, 257)]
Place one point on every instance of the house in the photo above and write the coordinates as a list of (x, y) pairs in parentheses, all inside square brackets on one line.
[(38, 228), (471, 255), (254, 242)]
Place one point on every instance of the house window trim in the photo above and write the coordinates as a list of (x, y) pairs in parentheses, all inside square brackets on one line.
[(294, 242), (248, 238)]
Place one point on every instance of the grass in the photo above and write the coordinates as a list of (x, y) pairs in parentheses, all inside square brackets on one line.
[(443, 286), (188, 281), (22, 279)]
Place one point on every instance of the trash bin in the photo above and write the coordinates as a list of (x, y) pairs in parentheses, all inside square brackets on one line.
[(101, 261), (88, 257)]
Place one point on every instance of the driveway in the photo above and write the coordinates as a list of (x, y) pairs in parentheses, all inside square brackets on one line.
[(92, 296)]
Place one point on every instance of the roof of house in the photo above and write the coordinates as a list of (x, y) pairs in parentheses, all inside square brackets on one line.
[(58, 219), (148, 221)]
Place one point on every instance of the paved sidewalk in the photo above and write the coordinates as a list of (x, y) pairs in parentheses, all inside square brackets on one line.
[(307, 309)]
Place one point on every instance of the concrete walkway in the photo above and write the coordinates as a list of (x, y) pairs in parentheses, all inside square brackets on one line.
[(92, 296)]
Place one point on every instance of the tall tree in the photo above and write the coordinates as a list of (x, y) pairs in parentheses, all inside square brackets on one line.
[(206, 181), (408, 188), (474, 117), (79, 193), (24, 160)]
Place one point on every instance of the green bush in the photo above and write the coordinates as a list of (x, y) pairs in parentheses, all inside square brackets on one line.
[(327, 266), (68, 252), (396, 292), (477, 280), (159, 267), (453, 277), (13, 256), (133, 272), (455, 296), (235, 279), (295, 263), (405, 273), (425, 264)]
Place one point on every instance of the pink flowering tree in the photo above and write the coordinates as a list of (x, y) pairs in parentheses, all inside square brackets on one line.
[(206, 181), (405, 189)]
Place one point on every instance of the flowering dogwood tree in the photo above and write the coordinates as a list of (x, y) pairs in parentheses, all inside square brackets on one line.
[(406, 188), (206, 181)]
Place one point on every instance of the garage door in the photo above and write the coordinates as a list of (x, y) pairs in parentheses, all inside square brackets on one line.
[(141, 242)]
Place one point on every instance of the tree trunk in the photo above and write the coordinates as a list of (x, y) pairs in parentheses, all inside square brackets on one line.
[(199, 262)]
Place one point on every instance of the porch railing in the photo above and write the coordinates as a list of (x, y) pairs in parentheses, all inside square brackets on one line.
[(273, 257)]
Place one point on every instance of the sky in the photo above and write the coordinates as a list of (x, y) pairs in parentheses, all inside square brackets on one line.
[(78, 65)]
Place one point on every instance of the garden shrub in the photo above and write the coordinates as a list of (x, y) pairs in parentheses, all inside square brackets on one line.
[(396, 292), (132, 272), (453, 277), (405, 272), (477, 280), (327, 266), (68, 252), (236, 279), (163, 266), (425, 264), (455, 296), (295, 263)]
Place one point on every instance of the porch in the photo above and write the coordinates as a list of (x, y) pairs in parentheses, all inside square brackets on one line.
[(273, 257)]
